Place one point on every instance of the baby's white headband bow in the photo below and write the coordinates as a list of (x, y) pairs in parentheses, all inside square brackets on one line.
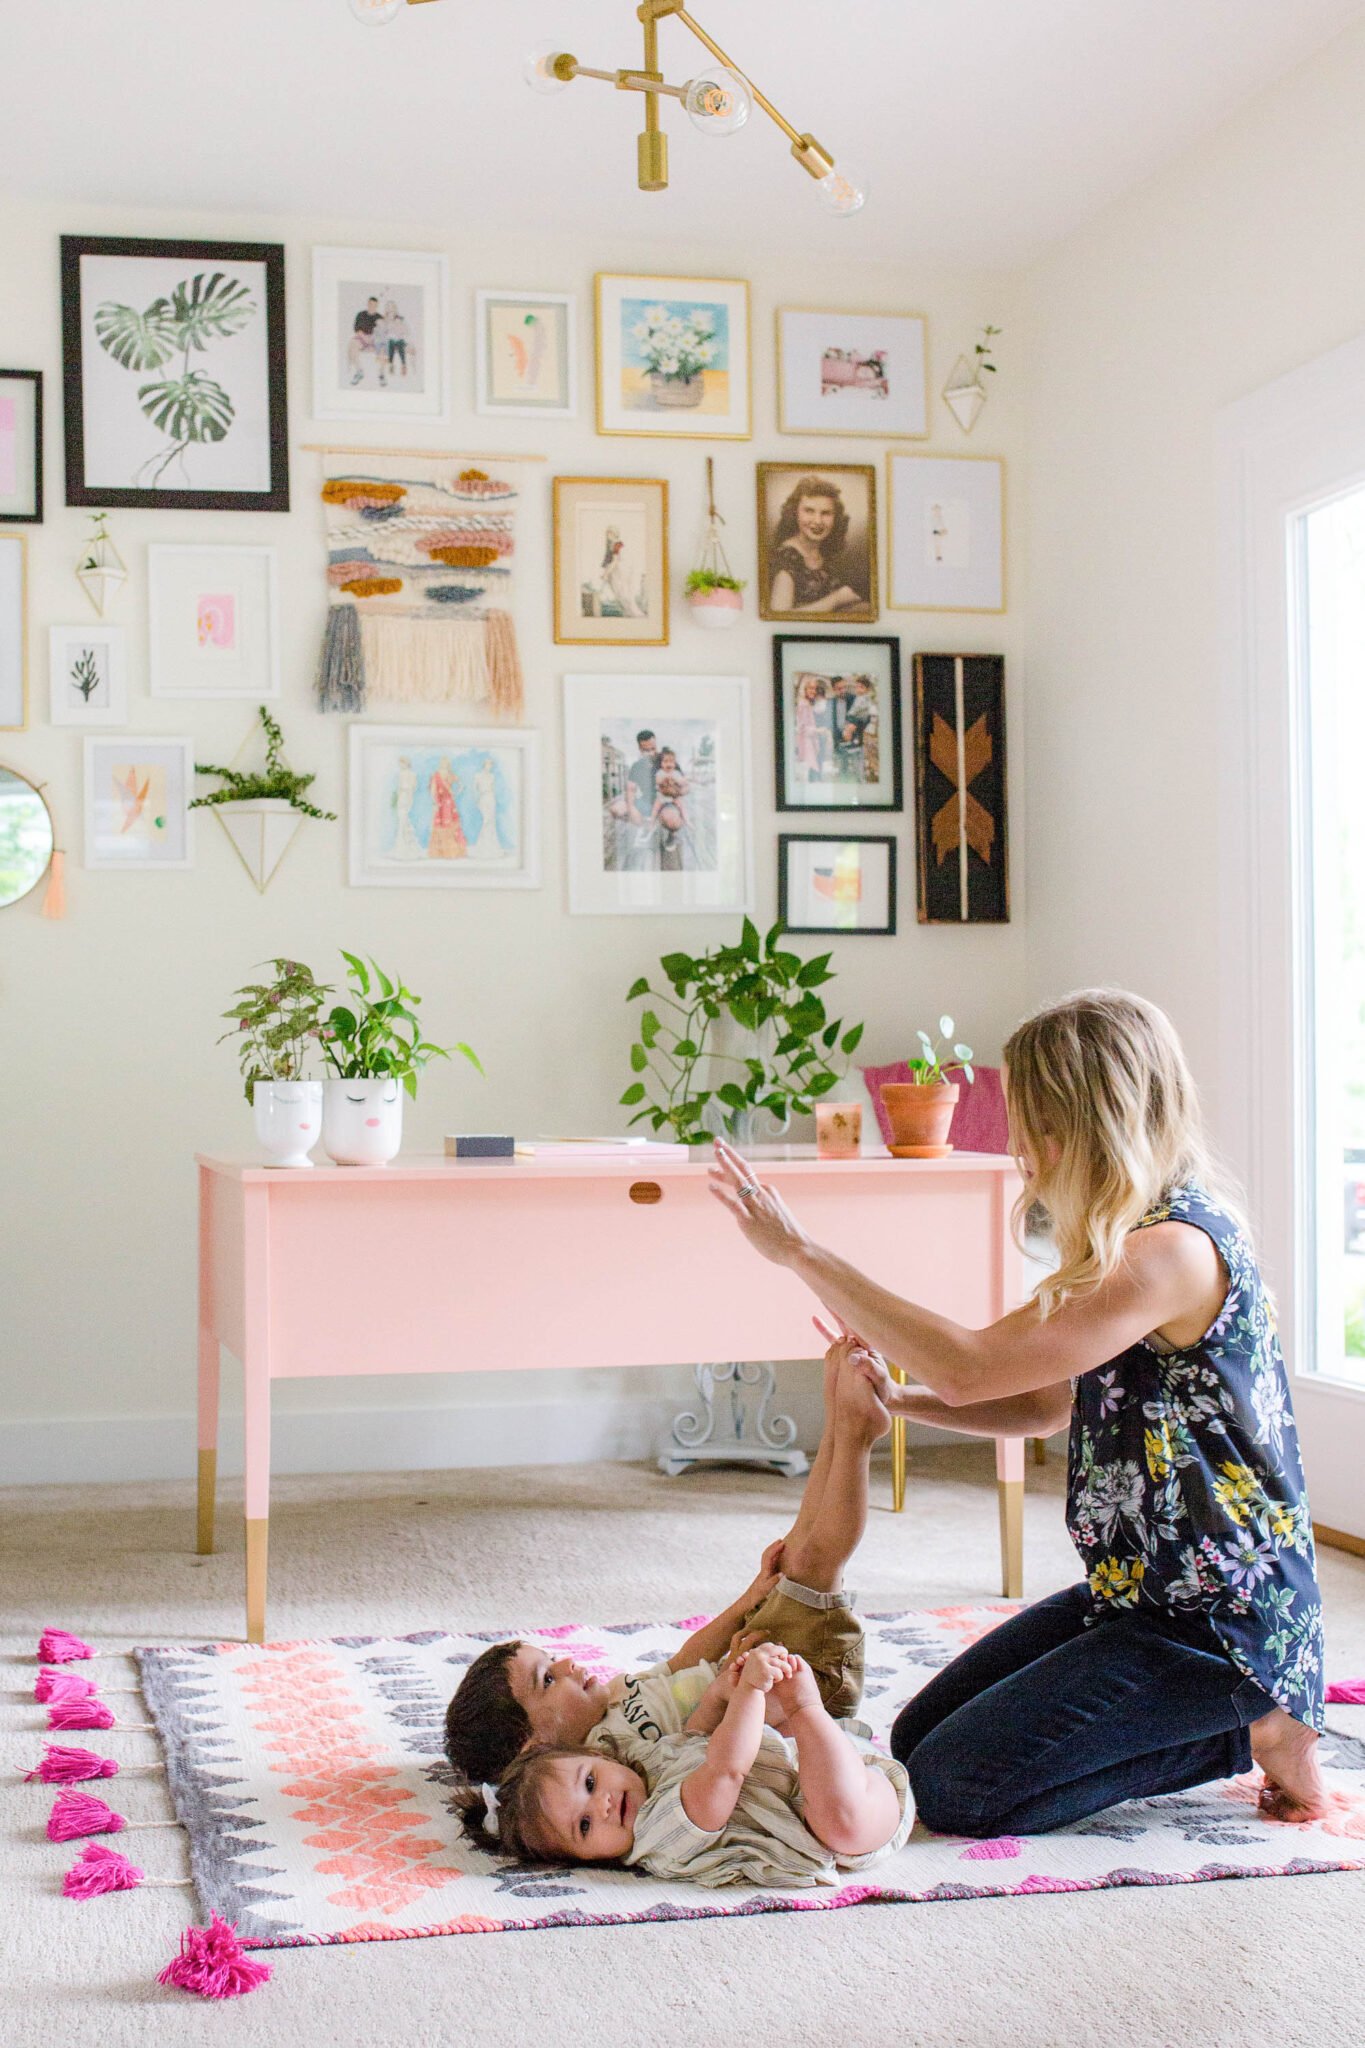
[(490, 1800)]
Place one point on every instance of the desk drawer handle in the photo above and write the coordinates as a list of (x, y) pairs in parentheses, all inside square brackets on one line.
[(646, 1191)]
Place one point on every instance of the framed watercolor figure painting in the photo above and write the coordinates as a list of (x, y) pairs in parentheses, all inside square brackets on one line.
[(380, 346), (444, 807), (611, 561), (526, 353), (673, 357)]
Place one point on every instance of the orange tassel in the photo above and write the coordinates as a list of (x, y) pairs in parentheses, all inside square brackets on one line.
[(54, 900)]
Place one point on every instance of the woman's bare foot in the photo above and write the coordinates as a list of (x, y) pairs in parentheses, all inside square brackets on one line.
[(1286, 1751)]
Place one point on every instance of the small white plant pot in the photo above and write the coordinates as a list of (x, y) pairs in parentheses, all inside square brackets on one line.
[(288, 1117), (713, 608), (362, 1121)]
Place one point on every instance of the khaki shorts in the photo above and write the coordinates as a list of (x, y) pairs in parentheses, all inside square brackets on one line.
[(822, 1628)]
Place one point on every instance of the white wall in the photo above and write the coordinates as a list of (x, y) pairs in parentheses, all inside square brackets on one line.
[(111, 1080)]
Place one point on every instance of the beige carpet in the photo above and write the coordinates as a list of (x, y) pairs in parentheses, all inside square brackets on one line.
[(1265, 1963)]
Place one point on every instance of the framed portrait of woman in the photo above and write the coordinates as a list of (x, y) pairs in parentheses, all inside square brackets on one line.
[(817, 542), (610, 561)]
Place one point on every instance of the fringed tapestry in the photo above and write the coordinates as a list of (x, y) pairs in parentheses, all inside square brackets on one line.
[(420, 560), (962, 855)]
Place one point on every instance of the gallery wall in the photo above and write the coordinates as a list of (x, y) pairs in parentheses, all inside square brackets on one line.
[(112, 1080)]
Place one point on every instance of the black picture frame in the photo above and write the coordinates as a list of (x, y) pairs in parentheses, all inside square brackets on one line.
[(891, 644), (962, 868), (217, 254), (35, 378), (786, 840)]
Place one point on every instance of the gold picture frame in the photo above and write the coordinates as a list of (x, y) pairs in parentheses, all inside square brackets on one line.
[(675, 411), (853, 567), (610, 582), (14, 646), (884, 358)]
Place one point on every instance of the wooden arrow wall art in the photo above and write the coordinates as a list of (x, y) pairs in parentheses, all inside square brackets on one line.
[(961, 843)]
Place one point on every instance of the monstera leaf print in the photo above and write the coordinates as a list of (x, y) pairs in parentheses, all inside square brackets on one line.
[(136, 341), (209, 309), (189, 408)]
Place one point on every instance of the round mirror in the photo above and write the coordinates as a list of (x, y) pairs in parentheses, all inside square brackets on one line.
[(25, 836)]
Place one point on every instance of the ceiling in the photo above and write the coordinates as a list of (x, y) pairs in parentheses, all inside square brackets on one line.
[(987, 128)]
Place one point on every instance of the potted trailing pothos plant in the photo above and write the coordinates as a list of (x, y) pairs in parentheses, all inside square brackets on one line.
[(277, 1029), (374, 1046), (920, 1110), (782, 1051), (261, 809)]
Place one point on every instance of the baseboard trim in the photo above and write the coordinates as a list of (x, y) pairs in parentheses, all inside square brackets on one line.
[(1338, 1539)]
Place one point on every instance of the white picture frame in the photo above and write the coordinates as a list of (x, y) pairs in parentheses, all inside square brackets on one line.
[(489, 837), (145, 822), (398, 369), (88, 675), (643, 851), (946, 528), (717, 404), (13, 632), (850, 373), (213, 622), (539, 379)]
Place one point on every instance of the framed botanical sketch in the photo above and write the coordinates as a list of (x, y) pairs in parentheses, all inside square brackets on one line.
[(831, 884), (852, 373), (947, 533), (611, 561), (213, 628), (673, 357), (837, 722), (526, 353), (817, 542), (380, 346), (444, 807), (13, 633), (173, 365), (137, 795), (21, 447), (656, 775), (961, 841), (88, 675)]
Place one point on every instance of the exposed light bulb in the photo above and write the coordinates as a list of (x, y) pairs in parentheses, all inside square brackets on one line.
[(374, 13), (717, 103), (538, 68), (843, 191)]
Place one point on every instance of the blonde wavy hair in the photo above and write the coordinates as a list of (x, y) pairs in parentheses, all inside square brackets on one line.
[(1102, 1105)]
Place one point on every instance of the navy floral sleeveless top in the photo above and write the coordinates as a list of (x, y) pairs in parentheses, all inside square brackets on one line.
[(1185, 1488)]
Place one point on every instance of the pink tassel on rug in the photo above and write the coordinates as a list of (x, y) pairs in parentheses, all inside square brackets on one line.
[(100, 1870), (80, 1813), (1346, 1692), (87, 1713), (57, 1646), (213, 1963), (62, 1766), (63, 1685)]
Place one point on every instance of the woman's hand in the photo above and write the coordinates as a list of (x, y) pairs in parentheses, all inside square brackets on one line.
[(760, 1213)]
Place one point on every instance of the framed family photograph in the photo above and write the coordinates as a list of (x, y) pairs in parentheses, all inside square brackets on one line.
[(961, 836), (213, 626), (852, 373), (828, 884), (173, 365), (380, 349), (21, 447), (444, 807), (837, 717), (657, 793), (13, 633), (817, 542), (611, 561), (526, 353), (137, 796), (947, 533), (88, 675), (673, 357)]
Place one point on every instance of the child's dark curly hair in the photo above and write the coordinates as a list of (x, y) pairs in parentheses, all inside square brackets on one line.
[(485, 1724), (520, 1826)]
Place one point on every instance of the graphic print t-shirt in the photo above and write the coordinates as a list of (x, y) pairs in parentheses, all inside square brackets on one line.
[(654, 1702)]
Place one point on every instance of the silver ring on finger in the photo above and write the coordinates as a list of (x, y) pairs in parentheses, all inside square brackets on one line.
[(746, 1190)]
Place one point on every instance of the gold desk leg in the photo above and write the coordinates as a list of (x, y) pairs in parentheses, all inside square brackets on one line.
[(208, 1487), (257, 1534), (1011, 1493), (1040, 1450), (898, 1451)]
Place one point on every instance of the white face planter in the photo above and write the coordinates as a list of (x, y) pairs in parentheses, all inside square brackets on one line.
[(288, 1117), (362, 1121)]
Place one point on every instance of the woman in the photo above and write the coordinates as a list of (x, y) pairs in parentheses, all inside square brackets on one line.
[(1194, 1645), (446, 840), (487, 845), (808, 552)]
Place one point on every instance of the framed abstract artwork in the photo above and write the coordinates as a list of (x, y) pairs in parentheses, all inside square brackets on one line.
[(380, 335), (826, 883), (947, 533), (137, 794), (656, 775), (611, 561), (852, 373), (213, 629), (961, 837), (526, 353), (444, 807), (817, 542), (21, 447), (837, 720), (673, 357), (88, 676), (173, 365), (13, 633)]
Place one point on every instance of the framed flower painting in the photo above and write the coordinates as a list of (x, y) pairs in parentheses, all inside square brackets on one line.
[(673, 357)]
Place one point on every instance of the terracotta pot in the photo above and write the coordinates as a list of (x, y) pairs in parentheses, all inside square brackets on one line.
[(920, 1113)]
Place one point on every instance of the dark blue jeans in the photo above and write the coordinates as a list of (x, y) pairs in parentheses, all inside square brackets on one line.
[(1045, 1720)]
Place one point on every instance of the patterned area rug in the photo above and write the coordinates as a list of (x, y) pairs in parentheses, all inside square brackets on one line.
[(310, 1780)]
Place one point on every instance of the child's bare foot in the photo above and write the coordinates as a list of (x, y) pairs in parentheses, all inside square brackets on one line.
[(1286, 1751), (859, 1400), (797, 1692)]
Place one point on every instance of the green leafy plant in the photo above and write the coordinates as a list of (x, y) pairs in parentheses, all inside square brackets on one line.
[(756, 983), (376, 1031), (929, 1067), (277, 1024), (85, 675), (711, 579), (189, 407), (985, 350), (276, 780)]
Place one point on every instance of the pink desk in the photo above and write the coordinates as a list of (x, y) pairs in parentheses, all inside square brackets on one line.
[(425, 1266)]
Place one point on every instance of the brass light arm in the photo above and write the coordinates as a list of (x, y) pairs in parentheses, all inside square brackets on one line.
[(807, 151)]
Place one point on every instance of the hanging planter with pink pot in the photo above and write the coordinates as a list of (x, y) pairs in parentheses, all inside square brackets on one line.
[(714, 593)]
